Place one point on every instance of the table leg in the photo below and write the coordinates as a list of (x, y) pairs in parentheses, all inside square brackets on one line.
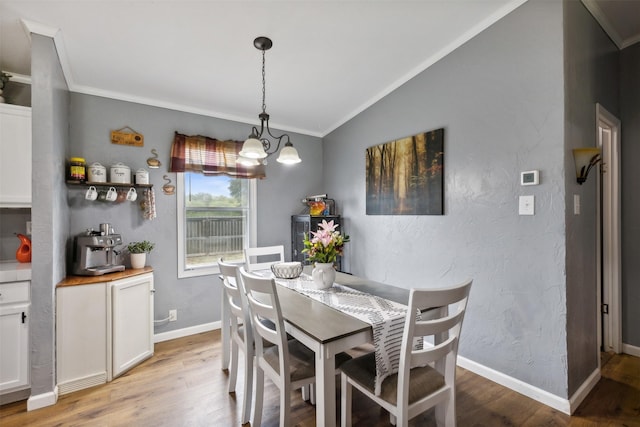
[(325, 387), (224, 325)]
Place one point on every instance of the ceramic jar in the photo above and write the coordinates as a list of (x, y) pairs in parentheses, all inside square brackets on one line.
[(97, 173), (142, 177), (120, 173)]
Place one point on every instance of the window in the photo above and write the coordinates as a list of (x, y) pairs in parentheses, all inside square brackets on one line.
[(216, 217)]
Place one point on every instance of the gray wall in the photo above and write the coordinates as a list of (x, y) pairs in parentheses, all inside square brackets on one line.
[(196, 299), (50, 213), (630, 106), (500, 100), (591, 64)]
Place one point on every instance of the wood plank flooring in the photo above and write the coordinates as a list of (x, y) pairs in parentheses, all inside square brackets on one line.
[(183, 385)]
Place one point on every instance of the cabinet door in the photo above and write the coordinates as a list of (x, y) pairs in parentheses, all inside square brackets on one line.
[(14, 348), (15, 156), (132, 317), (81, 331)]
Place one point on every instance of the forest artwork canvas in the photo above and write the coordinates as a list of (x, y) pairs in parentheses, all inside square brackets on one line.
[(405, 176)]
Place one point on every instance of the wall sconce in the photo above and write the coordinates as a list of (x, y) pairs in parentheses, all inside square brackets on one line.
[(585, 159)]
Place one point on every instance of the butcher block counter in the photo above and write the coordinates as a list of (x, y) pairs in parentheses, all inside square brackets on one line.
[(109, 277)]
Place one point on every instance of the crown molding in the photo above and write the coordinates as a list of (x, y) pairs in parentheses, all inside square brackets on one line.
[(595, 10)]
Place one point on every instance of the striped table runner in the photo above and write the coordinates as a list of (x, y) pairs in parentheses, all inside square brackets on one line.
[(386, 318)]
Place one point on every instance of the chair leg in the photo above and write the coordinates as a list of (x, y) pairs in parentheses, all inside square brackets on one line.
[(345, 402), (233, 368), (248, 386), (285, 403), (312, 393), (446, 412), (258, 397)]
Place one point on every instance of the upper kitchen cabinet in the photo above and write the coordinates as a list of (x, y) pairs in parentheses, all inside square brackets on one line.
[(15, 156)]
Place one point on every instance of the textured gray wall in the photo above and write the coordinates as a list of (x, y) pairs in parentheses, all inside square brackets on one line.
[(500, 100), (50, 213), (196, 299), (630, 106), (591, 62)]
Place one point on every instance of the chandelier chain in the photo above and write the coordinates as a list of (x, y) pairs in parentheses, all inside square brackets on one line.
[(264, 84)]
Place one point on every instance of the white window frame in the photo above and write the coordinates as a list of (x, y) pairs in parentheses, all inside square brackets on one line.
[(184, 272)]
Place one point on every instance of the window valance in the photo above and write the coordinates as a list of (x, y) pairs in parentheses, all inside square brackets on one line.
[(210, 156)]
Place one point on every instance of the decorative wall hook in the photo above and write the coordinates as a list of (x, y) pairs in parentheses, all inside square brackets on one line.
[(153, 162), (168, 188)]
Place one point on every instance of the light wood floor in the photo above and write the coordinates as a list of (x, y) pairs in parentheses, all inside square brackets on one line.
[(183, 385)]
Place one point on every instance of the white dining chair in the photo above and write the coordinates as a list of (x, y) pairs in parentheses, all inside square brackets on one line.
[(261, 258), (426, 376), (240, 333), (288, 363)]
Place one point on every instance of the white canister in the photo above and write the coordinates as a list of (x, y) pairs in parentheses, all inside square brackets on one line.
[(120, 173), (97, 173), (141, 176)]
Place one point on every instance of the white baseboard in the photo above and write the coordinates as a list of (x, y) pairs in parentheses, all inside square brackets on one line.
[(42, 400), (535, 393), (631, 350), (584, 390), (192, 330)]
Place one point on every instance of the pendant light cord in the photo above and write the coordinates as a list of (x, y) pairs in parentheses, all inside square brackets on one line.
[(264, 84)]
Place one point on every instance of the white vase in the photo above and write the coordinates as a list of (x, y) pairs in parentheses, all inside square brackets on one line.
[(138, 260), (323, 275)]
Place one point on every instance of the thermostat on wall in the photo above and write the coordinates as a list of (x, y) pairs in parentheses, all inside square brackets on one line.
[(529, 178)]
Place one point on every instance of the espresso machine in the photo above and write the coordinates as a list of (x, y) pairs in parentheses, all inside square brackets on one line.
[(94, 252)]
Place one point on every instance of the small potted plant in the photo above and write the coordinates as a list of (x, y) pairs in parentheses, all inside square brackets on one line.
[(138, 252)]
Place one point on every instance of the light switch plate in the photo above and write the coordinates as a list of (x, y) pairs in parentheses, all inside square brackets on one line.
[(526, 205)]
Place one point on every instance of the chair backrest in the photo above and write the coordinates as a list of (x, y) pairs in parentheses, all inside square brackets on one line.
[(262, 258), (434, 321), (266, 315), (236, 298)]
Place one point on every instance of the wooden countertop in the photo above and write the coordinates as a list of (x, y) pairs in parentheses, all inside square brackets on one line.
[(109, 277)]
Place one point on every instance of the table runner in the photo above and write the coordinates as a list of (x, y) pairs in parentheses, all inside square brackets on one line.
[(386, 318)]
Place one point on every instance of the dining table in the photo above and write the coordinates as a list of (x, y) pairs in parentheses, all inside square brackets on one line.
[(325, 330)]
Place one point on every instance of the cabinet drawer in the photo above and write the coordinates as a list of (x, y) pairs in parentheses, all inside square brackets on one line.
[(14, 292)]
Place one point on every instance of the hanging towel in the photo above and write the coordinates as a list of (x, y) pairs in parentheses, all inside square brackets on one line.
[(149, 204)]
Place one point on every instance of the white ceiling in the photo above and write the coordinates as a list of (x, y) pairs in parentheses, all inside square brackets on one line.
[(330, 59)]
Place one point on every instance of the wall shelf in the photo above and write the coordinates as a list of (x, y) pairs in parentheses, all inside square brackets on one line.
[(85, 184)]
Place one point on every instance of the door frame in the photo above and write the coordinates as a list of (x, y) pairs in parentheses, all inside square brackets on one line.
[(608, 246)]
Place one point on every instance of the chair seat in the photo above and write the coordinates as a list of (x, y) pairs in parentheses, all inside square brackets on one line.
[(423, 381), (302, 360)]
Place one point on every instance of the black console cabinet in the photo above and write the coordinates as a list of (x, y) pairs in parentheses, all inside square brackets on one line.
[(301, 224)]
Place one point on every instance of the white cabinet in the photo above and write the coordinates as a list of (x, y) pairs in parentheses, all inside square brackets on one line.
[(132, 303), (103, 330), (15, 156), (81, 328), (14, 336)]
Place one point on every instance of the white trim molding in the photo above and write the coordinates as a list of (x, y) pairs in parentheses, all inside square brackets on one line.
[(185, 332), (631, 350), (42, 400), (535, 393)]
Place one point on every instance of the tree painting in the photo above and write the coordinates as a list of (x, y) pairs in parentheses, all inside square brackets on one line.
[(405, 176)]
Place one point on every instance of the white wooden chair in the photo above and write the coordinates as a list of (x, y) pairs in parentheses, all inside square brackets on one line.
[(240, 333), (426, 377), (288, 363), (263, 257)]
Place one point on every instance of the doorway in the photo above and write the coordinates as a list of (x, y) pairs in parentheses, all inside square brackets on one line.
[(609, 234)]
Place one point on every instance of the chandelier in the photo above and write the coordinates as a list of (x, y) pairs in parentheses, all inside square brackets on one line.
[(257, 147)]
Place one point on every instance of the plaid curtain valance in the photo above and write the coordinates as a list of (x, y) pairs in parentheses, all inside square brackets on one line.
[(210, 157)]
